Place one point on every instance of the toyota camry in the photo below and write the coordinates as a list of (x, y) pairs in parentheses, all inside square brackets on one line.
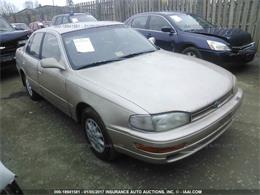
[(129, 96)]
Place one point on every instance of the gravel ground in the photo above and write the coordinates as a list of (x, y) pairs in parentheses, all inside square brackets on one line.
[(47, 150)]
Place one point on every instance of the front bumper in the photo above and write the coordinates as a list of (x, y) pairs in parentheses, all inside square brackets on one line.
[(193, 136), (229, 57)]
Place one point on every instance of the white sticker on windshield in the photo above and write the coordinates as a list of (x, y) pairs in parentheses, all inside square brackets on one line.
[(83, 45), (176, 18), (74, 20)]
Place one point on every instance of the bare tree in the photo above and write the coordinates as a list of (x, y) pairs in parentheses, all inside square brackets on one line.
[(36, 4), (7, 8), (69, 2)]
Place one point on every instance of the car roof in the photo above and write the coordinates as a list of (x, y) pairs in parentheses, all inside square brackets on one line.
[(163, 13), (64, 28)]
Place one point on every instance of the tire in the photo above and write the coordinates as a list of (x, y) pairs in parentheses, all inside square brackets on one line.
[(31, 93), (192, 51), (96, 135)]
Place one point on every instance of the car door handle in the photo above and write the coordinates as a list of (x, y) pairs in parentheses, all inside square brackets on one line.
[(149, 35)]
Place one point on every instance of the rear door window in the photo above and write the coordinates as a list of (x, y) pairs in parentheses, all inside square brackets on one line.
[(34, 45), (139, 22)]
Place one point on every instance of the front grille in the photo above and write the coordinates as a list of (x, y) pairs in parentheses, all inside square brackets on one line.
[(237, 49), (211, 107)]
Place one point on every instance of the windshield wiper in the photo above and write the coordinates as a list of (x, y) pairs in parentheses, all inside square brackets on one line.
[(114, 60), (136, 54), (99, 63)]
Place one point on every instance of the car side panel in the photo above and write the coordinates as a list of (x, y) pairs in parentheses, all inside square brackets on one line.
[(31, 65), (52, 83), (102, 101)]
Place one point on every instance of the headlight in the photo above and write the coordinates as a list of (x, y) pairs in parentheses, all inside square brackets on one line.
[(22, 42), (159, 122), (218, 46)]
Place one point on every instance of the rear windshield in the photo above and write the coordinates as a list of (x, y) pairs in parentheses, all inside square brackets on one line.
[(82, 18), (21, 26)]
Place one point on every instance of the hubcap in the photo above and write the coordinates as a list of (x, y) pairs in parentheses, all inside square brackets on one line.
[(28, 87), (95, 135), (190, 53)]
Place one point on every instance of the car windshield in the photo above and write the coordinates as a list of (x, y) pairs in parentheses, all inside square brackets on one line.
[(190, 22), (4, 26), (82, 18), (97, 46)]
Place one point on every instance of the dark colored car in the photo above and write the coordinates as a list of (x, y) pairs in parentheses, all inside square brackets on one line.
[(10, 40), (72, 18), (192, 35)]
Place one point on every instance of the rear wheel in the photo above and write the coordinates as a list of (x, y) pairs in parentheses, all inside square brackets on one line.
[(192, 51), (100, 143), (32, 94)]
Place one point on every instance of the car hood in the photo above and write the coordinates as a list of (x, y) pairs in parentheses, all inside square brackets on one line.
[(13, 36), (235, 37), (162, 81)]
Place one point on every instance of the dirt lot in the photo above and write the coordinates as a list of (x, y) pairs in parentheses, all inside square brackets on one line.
[(47, 150)]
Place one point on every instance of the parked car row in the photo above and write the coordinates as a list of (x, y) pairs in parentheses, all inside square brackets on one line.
[(15, 35), (173, 31)]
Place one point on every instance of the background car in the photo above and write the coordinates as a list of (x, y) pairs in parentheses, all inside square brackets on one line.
[(36, 25), (129, 96), (47, 23), (10, 40), (72, 18), (20, 26), (192, 35)]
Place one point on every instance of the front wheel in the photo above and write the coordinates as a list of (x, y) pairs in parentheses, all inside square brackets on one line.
[(100, 143), (192, 51)]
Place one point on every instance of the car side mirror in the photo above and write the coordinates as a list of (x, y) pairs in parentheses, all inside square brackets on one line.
[(167, 29), (51, 63), (152, 40)]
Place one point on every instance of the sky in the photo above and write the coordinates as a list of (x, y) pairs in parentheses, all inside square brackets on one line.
[(20, 3)]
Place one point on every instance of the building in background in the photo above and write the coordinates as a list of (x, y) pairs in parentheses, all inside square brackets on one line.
[(41, 13)]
